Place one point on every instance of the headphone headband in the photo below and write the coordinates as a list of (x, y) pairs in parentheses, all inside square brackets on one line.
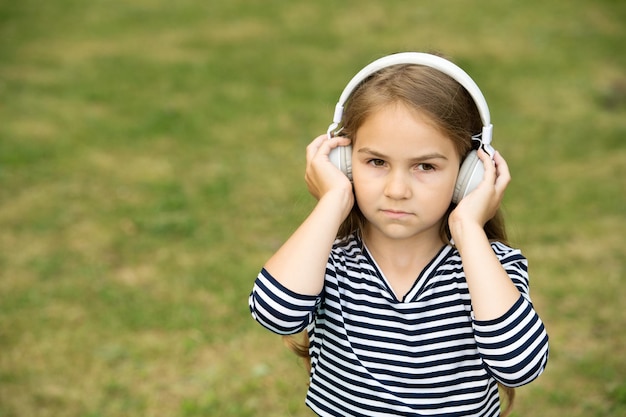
[(419, 58)]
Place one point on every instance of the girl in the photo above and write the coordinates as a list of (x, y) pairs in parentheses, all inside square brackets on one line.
[(413, 305)]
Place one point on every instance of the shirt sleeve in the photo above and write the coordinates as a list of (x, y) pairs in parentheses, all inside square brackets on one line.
[(514, 347), (279, 309)]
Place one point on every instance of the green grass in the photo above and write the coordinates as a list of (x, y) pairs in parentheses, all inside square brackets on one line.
[(151, 159)]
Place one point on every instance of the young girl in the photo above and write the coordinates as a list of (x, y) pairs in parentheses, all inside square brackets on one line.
[(414, 305)]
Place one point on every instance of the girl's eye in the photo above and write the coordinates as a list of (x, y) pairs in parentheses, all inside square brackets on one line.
[(425, 167), (377, 162)]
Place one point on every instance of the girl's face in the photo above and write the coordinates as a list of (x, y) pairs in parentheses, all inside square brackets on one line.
[(404, 171)]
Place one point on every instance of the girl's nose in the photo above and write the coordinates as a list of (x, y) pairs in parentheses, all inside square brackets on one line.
[(398, 186)]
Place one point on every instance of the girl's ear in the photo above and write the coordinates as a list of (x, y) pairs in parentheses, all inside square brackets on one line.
[(470, 175), (341, 157)]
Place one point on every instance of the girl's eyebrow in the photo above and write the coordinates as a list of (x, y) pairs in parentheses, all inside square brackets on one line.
[(425, 157)]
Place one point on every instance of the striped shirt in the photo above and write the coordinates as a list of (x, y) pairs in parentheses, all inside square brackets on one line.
[(375, 355)]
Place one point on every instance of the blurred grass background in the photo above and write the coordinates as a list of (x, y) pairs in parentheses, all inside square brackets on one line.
[(151, 159)]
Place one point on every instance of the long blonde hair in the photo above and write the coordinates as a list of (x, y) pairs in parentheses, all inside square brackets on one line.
[(450, 108), (426, 90)]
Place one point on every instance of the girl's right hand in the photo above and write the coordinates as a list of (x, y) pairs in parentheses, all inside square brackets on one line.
[(321, 176), (300, 263)]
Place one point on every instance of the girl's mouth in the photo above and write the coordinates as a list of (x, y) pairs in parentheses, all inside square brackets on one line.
[(395, 214)]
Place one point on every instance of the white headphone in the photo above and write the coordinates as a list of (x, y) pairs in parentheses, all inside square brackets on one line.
[(472, 170)]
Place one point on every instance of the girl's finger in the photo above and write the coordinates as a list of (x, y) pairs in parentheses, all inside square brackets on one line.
[(338, 141), (324, 149), (313, 147), (503, 176), (489, 165)]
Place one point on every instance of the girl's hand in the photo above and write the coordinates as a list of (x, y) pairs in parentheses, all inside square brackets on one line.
[(481, 205), (321, 175), (492, 291), (300, 263)]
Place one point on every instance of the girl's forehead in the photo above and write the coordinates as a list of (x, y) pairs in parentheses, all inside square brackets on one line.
[(404, 133), (402, 109), (397, 116)]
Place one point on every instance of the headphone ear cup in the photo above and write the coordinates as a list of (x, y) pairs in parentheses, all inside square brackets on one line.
[(470, 175), (341, 157)]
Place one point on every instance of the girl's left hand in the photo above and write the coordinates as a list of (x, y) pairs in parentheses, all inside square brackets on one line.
[(481, 205)]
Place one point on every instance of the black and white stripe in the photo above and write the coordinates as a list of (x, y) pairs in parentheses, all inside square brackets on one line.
[(375, 355)]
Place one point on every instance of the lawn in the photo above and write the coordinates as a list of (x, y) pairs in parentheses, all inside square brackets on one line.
[(152, 156)]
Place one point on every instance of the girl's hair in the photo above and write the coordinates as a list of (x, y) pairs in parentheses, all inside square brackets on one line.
[(443, 100), (450, 108)]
